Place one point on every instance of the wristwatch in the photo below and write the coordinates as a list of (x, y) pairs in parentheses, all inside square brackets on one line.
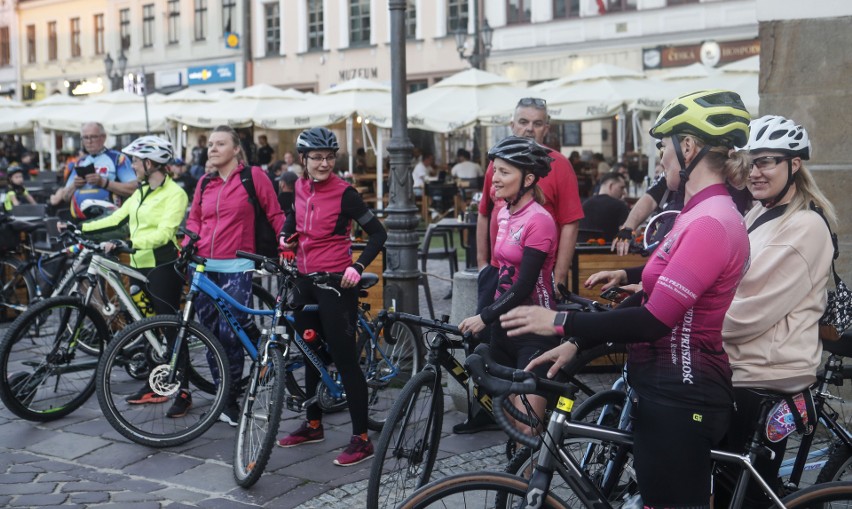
[(559, 322)]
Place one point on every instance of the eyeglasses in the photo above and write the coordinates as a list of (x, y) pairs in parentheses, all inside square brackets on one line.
[(769, 162), (319, 159), (533, 101), (92, 137)]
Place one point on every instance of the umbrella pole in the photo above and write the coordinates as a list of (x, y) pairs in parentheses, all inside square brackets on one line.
[(53, 150), (349, 143), (36, 143)]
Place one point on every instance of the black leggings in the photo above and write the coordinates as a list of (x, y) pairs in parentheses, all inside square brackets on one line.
[(671, 453), (164, 289), (335, 323)]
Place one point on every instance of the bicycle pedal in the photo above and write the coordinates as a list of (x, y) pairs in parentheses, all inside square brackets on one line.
[(294, 404)]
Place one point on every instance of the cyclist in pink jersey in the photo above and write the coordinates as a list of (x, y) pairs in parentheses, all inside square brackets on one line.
[(525, 249), (676, 364)]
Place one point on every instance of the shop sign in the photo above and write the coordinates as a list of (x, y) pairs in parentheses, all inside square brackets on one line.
[(220, 73), (369, 73), (710, 53)]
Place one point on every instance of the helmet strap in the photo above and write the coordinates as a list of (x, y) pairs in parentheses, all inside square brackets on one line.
[(771, 202), (522, 191), (685, 170)]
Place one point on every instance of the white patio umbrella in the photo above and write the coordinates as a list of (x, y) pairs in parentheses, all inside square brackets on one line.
[(240, 108), (462, 100), (15, 117), (593, 73), (741, 77), (120, 112)]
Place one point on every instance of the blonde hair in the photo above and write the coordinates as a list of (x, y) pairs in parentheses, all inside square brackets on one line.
[(733, 165), (235, 138), (808, 191)]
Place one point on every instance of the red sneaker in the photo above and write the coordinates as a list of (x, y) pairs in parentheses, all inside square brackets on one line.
[(358, 450), (304, 435), (145, 396)]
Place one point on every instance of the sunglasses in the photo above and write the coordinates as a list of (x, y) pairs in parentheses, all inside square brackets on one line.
[(533, 101), (769, 162)]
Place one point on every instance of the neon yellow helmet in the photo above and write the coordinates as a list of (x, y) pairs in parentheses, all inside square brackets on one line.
[(718, 117)]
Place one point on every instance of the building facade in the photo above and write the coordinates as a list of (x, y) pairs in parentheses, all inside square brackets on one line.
[(9, 58)]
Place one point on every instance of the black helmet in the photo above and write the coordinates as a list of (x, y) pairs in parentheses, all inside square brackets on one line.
[(13, 168), (523, 153), (316, 138)]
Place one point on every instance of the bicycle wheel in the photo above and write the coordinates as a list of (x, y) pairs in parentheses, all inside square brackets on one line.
[(838, 467), (408, 446), (16, 288), (608, 465), (261, 414), (471, 490), (43, 373), (148, 424), (833, 495), (387, 366)]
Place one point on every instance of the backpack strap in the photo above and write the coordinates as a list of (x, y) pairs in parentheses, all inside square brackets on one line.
[(773, 213), (205, 180), (248, 183)]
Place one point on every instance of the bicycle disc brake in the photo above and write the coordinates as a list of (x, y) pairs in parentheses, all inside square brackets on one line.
[(158, 380)]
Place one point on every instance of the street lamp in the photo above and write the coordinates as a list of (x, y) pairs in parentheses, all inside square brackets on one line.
[(117, 77), (481, 43)]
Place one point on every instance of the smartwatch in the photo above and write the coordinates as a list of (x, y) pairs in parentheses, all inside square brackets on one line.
[(559, 322)]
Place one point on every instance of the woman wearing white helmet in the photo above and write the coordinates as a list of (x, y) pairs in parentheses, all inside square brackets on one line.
[(771, 328), (153, 213)]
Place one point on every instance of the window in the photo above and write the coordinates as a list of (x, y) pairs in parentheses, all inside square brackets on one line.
[(517, 11), (31, 44), (315, 25), (124, 27), (620, 5), (457, 15), (200, 20), (99, 34), (51, 41), (229, 7), (5, 52), (359, 22), (75, 37), (147, 25), (174, 21), (411, 19), (566, 9), (416, 86), (272, 18), (572, 134)]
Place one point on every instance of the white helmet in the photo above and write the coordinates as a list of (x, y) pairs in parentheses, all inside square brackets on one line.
[(773, 132), (151, 147)]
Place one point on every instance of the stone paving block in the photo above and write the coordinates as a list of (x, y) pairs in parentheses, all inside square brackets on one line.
[(49, 465), (222, 503), (116, 456), (90, 497), (100, 476), (210, 477), (38, 500), (25, 468), (63, 506), (22, 434), (162, 465), (32, 488), (302, 494), (267, 489), (178, 505), (84, 486), (181, 495), (68, 445), (10, 457), (17, 478), (222, 450), (140, 485), (126, 497), (4, 500), (95, 426), (138, 505)]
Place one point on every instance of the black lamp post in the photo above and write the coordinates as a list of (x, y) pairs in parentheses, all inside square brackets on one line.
[(481, 41), (116, 79)]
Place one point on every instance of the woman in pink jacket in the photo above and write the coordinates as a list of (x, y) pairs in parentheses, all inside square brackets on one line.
[(222, 215)]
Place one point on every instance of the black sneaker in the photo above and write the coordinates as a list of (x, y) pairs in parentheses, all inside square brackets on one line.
[(482, 422), (231, 414), (182, 404)]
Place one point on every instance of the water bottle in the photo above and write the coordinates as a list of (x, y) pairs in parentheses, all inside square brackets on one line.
[(142, 301), (317, 345)]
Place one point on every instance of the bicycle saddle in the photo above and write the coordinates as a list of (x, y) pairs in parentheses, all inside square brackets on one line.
[(368, 279)]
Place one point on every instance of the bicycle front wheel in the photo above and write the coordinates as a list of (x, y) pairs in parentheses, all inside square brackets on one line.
[(17, 288), (472, 490), (44, 375), (833, 495), (408, 446), (388, 364), (150, 423), (261, 414)]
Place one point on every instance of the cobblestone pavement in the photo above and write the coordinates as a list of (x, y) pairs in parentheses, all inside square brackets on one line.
[(80, 461)]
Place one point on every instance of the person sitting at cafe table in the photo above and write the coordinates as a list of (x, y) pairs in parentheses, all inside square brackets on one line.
[(607, 210), (17, 194), (424, 171), (465, 168)]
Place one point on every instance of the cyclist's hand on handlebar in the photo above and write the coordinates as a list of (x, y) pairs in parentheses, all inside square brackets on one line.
[(559, 356), (472, 324), (351, 277), (529, 320), (108, 246), (610, 278), (622, 240), (287, 256)]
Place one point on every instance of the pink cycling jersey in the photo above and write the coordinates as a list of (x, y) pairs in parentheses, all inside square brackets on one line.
[(690, 280), (530, 226)]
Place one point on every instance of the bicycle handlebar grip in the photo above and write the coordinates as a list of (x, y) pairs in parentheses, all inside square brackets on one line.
[(514, 433), (493, 368), (251, 256), (426, 322), (521, 382)]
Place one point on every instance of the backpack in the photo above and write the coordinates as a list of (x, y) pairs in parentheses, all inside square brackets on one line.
[(265, 236)]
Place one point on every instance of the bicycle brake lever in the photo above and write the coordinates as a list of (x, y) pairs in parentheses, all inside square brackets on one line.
[(326, 287)]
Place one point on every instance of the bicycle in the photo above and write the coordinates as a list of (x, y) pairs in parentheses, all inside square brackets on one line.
[(488, 489)]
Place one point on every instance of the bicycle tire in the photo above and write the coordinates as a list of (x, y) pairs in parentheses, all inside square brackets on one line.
[(17, 288), (408, 443), (147, 424), (593, 456), (43, 374), (259, 419), (475, 489), (820, 496), (402, 352), (838, 467)]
